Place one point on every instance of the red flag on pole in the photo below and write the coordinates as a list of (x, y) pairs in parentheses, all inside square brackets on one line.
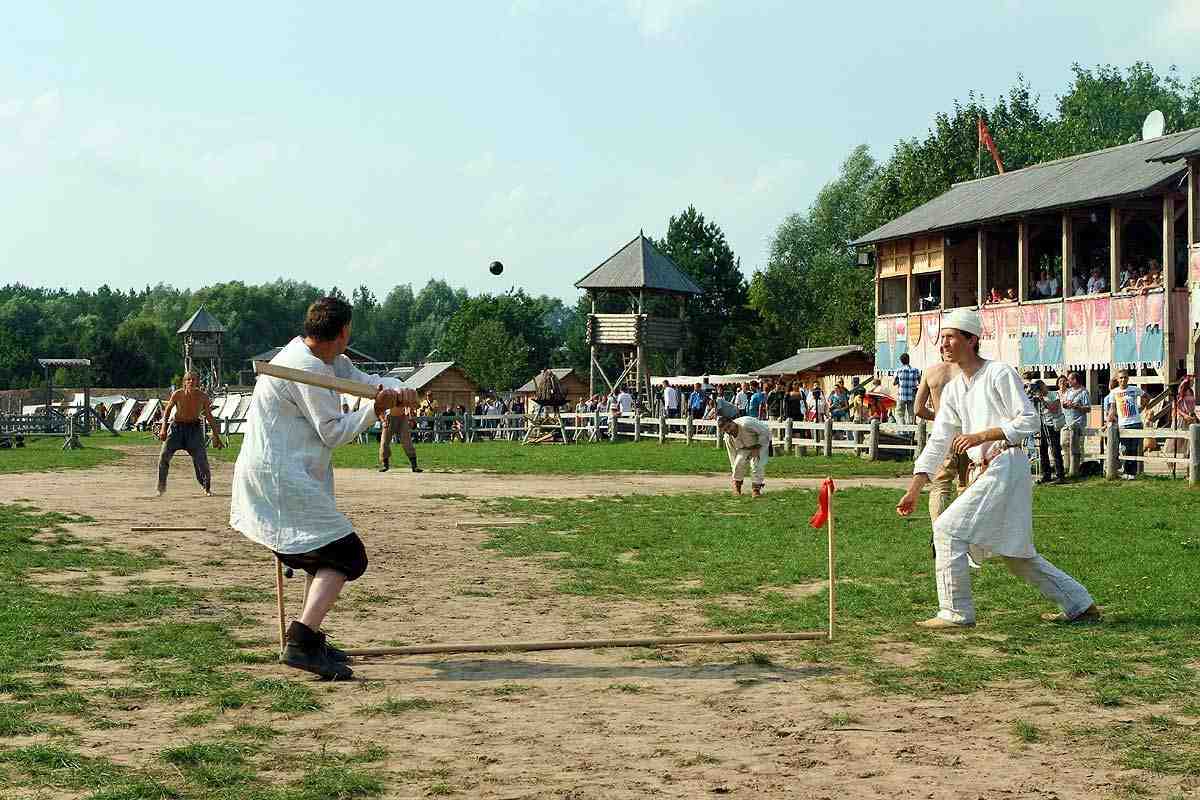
[(985, 139), (822, 514)]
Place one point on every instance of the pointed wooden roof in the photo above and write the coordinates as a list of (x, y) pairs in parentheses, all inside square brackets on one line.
[(201, 322), (639, 265)]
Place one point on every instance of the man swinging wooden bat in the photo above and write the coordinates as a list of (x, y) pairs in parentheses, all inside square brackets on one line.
[(283, 479)]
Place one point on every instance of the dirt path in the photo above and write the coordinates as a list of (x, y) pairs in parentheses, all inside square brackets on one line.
[(579, 724)]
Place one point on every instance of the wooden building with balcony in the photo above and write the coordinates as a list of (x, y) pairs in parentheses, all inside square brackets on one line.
[(1087, 263)]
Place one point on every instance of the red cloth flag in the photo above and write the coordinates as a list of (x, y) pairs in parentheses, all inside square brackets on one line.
[(822, 514), (985, 139)]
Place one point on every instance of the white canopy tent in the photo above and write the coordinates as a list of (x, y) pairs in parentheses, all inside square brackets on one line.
[(692, 380)]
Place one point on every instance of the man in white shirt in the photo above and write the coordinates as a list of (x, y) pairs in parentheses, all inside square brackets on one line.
[(985, 413), (283, 479), (670, 400), (1096, 283), (748, 443), (741, 400), (625, 400)]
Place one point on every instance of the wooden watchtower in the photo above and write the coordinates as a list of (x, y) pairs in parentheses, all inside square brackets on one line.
[(636, 272), (202, 348)]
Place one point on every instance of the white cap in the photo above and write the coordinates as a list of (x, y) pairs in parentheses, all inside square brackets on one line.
[(966, 320)]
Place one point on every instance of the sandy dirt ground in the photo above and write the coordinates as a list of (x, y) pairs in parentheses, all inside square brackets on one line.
[(695, 722)]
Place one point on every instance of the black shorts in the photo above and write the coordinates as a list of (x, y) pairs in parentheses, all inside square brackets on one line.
[(346, 555)]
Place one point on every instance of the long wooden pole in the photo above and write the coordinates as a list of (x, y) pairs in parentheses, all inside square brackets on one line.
[(832, 582), (279, 603), (583, 644), (343, 385)]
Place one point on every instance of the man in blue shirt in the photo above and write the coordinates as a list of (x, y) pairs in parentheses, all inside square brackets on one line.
[(696, 403), (756, 399), (908, 378)]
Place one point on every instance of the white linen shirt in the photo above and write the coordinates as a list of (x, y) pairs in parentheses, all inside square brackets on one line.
[(283, 478), (995, 513)]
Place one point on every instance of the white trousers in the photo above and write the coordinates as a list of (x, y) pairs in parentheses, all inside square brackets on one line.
[(743, 461), (954, 581)]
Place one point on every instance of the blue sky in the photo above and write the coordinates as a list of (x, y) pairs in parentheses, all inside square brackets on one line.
[(390, 143)]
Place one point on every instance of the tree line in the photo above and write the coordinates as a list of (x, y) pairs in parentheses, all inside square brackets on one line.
[(810, 292)]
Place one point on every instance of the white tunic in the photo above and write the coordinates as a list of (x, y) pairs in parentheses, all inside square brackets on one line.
[(283, 479), (749, 448), (995, 513)]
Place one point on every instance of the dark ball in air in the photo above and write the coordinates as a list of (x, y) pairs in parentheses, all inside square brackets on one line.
[(496, 268)]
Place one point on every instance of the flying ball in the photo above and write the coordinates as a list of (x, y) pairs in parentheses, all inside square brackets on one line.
[(496, 268)]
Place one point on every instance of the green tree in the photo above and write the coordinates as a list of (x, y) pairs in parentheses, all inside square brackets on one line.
[(394, 321), (520, 315), (1104, 106), (720, 315), (811, 292), (496, 357)]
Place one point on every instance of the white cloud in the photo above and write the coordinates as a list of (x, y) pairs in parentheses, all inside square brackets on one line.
[(657, 18), (1178, 25), (780, 174), (480, 167)]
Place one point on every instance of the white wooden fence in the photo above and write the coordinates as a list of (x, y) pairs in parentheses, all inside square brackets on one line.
[(871, 440)]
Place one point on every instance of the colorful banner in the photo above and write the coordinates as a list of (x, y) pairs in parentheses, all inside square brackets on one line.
[(1100, 339), (1075, 336), (883, 349), (931, 325), (1009, 336), (989, 346), (899, 337), (1052, 339), (1030, 345)]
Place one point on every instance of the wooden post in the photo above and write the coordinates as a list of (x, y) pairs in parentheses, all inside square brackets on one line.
[(687, 428), (1194, 455), (832, 583), (1168, 276), (279, 604), (828, 436), (1022, 261), (1068, 259), (1114, 248), (1112, 455), (788, 445), (981, 264), (874, 445), (662, 427), (637, 425), (922, 438), (596, 425)]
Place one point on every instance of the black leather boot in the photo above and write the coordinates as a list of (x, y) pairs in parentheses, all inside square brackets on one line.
[(306, 650)]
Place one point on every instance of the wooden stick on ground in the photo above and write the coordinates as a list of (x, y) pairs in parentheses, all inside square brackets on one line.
[(583, 644), (153, 528), (279, 603)]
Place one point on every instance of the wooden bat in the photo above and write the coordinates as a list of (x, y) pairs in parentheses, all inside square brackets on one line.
[(343, 385), (405, 397)]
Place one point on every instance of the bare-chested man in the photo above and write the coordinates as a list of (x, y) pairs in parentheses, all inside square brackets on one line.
[(186, 433), (926, 404)]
